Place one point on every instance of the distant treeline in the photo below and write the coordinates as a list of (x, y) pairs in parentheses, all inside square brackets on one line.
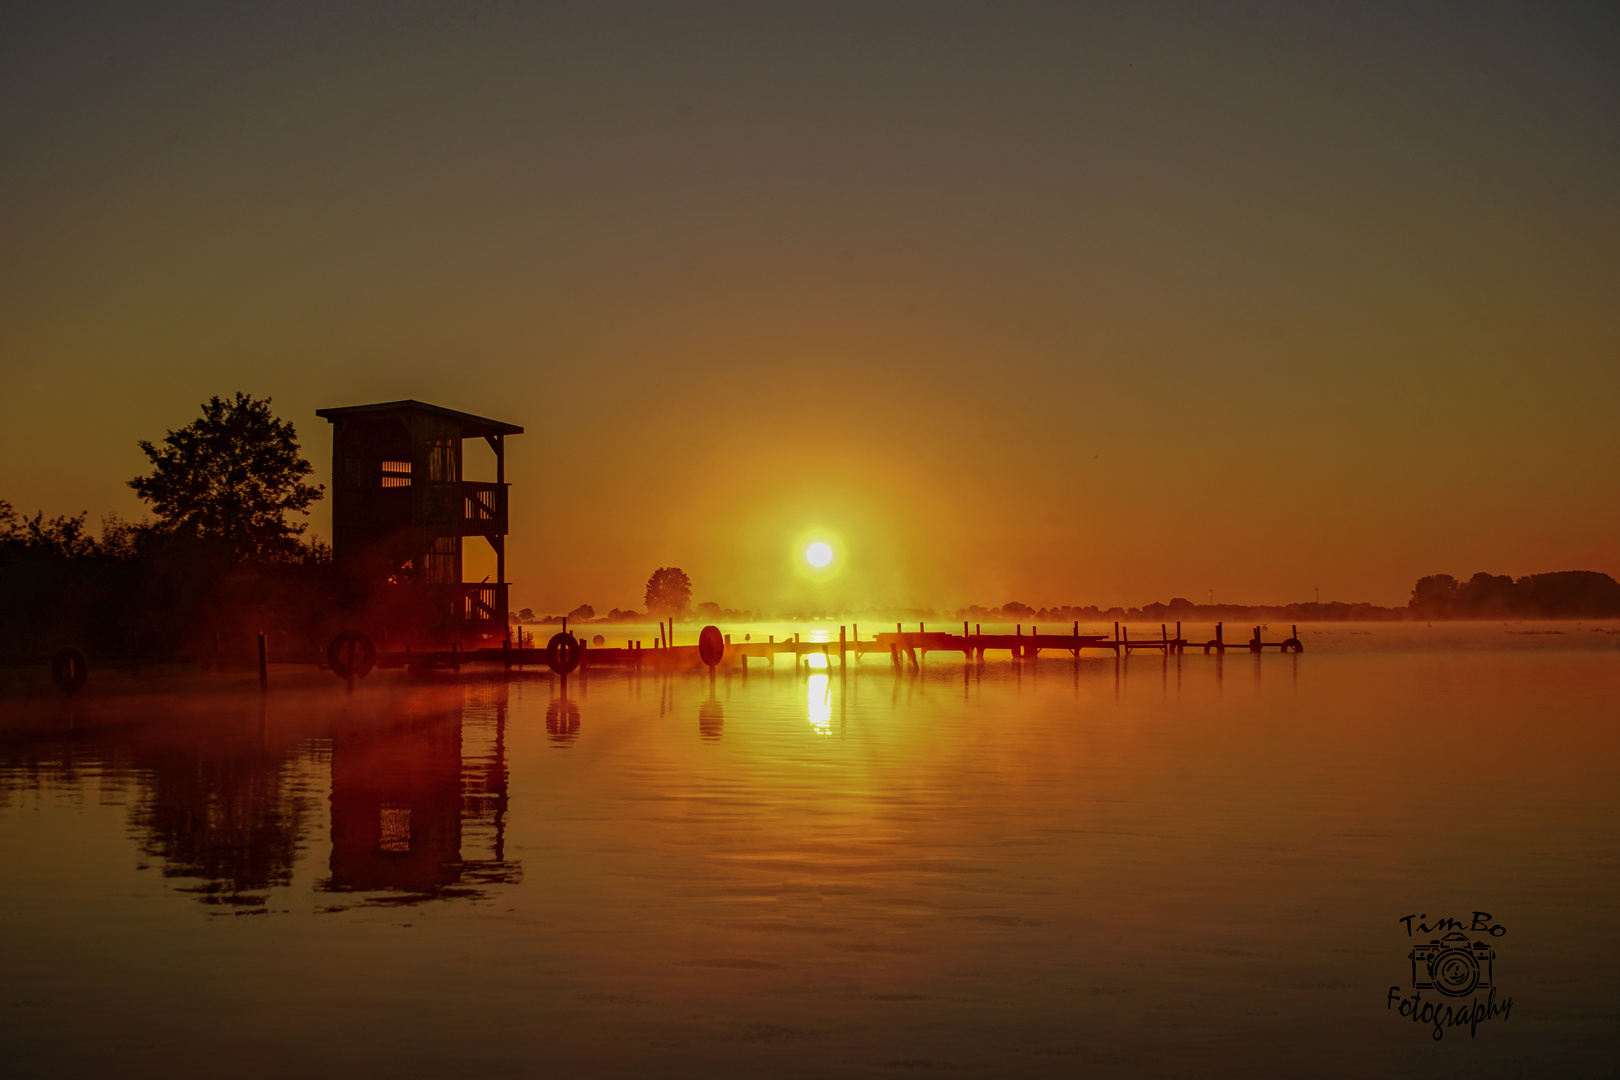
[(146, 592), (1182, 610), (1567, 594)]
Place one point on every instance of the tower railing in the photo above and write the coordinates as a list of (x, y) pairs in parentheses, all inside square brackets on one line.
[(480, 602), (483, 509)]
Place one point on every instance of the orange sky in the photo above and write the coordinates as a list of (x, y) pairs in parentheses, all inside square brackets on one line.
[(1046, 303)]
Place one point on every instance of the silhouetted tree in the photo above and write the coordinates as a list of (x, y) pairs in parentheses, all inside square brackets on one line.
[(1570, 593), (584, 611), (669, 591), (1433, 596), (61, 536), (232, 476), (1564, 594), (1487, 594)]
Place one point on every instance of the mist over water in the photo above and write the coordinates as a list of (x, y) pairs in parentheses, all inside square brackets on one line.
[(1190, 865)]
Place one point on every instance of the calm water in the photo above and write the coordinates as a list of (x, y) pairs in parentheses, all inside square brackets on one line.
[(1150, 868)]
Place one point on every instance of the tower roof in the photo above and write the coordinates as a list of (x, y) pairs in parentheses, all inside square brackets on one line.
[(472, 427)]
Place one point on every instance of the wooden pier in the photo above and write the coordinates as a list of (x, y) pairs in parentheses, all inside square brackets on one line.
[(901, 647)]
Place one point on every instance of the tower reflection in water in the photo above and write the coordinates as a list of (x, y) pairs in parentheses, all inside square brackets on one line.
[(419, 807)]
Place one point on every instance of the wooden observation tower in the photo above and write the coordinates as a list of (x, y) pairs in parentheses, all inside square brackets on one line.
[(400, 511)]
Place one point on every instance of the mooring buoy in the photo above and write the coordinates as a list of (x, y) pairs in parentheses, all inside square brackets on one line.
[(711, 645)]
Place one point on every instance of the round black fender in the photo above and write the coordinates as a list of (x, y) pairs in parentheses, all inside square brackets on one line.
[(351, 653), (69, 670), (1293, 644), (711, 645), (562, 653)]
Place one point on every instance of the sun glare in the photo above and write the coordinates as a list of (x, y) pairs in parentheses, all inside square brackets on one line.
[(818, 554)]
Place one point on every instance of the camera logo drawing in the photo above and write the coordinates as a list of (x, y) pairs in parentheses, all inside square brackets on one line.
[(1453, 965)]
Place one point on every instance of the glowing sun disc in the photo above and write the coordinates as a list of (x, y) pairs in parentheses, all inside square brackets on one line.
[(818, 554)]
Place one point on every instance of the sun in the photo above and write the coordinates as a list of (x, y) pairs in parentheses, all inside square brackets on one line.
[(818, 554)]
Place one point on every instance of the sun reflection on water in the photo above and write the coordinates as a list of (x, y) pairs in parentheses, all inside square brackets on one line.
[(820, 700)]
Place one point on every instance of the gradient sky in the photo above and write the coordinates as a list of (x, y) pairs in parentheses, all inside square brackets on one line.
[(1057, 303)]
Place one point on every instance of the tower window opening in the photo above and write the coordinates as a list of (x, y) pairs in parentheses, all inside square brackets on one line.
[(396, 474)]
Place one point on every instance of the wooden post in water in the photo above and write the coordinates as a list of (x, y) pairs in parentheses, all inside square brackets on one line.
[(841, 648), (264, 660)]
